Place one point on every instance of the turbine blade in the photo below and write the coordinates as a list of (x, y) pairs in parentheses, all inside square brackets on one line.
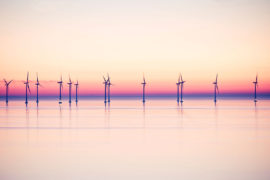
[(216, 78), (5, 81), (10, 82), (27, 76), (181, 78), (28, 87), (217, 89)]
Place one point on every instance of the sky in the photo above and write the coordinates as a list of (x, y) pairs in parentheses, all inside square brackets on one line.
[(158, 38)]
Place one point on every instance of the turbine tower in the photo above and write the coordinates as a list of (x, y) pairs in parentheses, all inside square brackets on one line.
[(27, 88), (37, 84), (255, 88), (76, 85), (60, 90), (182, 86), (7, 84), (105, 90), (143, 83), (109, 85), (69, 94), (177, 93), (216, 89)]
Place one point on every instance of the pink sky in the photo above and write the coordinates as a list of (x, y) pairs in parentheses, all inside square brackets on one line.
[(126, 88), (87, 39)]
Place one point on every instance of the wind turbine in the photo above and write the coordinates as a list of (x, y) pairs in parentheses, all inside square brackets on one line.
[(60, 88), (109, 92), (7, 84), (27, 88), (216, 89), (182, 86), (255, 88), (37, 84), (76, 85), (69, 94), (143, 83), (177, 84), (105, 90)]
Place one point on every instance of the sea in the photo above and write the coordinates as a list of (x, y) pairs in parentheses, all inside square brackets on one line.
[(129, 140)]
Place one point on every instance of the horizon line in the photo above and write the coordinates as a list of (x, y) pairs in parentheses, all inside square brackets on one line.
[(151, 95)]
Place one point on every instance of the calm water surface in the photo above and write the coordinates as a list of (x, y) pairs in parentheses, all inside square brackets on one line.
[(127, 140)]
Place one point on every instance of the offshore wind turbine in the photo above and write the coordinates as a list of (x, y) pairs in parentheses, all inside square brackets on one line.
[(177, 93), (76, 85), (37, 84), (105, 89), (69, 93), (216, 88), (60, 90), (109, 85), (7, 84), (143, 83), (255, 88), (27, 88), (182, 86)]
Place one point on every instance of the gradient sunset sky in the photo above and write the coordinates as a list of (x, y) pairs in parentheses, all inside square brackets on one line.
[(159, 38)]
